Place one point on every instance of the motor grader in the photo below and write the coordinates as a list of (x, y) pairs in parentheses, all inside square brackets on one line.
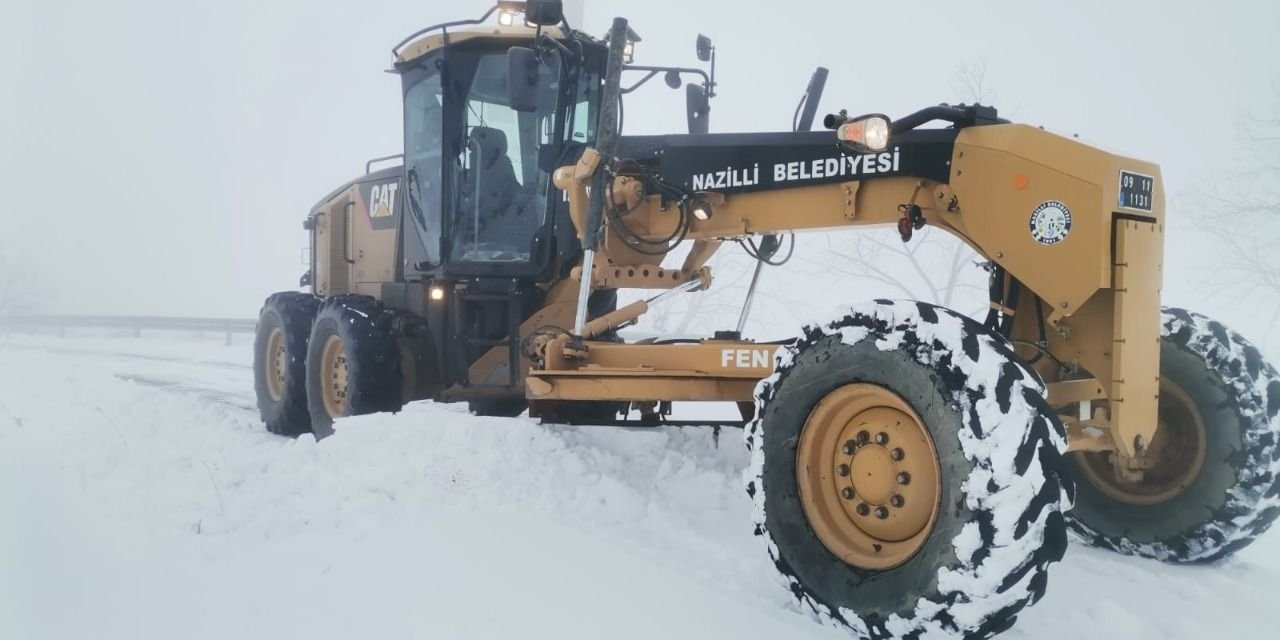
[(913, 471)]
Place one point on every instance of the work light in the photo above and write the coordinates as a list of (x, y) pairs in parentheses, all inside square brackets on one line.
[(869, 132), (702, 211)]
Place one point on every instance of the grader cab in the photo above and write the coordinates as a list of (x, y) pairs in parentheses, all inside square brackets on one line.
[(913, 470)]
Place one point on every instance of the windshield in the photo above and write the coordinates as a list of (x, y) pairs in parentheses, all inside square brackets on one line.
[(502, 191)]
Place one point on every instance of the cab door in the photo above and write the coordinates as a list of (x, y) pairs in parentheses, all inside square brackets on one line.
[(330, 227), (498, 218)]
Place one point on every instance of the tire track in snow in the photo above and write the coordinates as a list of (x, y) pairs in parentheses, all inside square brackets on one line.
[(212, 396)]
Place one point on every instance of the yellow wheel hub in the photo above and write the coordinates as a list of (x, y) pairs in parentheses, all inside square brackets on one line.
[(333, 367), (1176, 454), (868, 476), (277, 363)]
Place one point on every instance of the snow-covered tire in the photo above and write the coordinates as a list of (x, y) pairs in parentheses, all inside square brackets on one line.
[(279, 361), (363, 331), (998, 446), (1235, 495)]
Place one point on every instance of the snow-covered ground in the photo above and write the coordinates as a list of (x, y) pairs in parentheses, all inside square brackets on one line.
[(140, 498)]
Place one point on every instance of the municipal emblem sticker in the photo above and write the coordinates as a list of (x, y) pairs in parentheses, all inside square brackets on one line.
[(1050, 222)]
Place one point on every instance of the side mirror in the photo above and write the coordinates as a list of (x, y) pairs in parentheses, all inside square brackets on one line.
[(704, 48), (522, 79), (698, 108), (545, 13)]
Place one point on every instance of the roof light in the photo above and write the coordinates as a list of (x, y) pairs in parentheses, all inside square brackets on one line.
[(507, 17), (628, 45)]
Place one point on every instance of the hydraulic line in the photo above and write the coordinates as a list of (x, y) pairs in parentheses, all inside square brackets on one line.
[(751, 297)]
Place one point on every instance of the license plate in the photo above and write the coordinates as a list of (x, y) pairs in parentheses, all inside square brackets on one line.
[(1136, 191)]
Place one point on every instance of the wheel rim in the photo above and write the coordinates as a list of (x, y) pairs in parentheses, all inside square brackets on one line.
[(277, 363), (868, 476), (1177, 454), (333, 364)]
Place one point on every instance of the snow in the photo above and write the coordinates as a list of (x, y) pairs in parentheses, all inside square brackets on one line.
[(141, 498)]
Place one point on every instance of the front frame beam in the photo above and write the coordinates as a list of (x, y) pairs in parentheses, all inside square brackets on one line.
[(1098, 281)]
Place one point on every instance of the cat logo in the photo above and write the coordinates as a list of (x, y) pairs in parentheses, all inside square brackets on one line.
[(382, 200)]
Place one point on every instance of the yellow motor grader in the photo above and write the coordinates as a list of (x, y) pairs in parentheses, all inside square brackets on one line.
[(914, 471)]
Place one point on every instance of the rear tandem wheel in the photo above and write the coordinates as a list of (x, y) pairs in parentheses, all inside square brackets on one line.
[(279, 361), (353, 361)]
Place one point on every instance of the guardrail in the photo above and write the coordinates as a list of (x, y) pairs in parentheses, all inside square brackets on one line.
[(45, 323)]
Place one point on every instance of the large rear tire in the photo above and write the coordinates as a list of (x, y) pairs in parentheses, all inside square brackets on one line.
[(1215, 486), (353, 362), (280, 361), (905, 474)]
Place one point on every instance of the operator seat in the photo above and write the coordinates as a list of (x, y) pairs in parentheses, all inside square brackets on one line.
[(495, 176)]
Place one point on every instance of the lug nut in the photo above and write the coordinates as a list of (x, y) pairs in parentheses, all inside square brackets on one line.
[(882, 438), (864, 509), (896, 455), (882, 513), (843, 470), (904, 478), (849, 447), (897, 501), (847, 493), (863, 437)]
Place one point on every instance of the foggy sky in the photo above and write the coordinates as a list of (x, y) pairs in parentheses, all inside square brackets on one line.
[(158, 157)]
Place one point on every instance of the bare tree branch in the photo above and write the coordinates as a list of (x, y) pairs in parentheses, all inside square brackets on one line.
[(970, 82), (1239, 212)]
